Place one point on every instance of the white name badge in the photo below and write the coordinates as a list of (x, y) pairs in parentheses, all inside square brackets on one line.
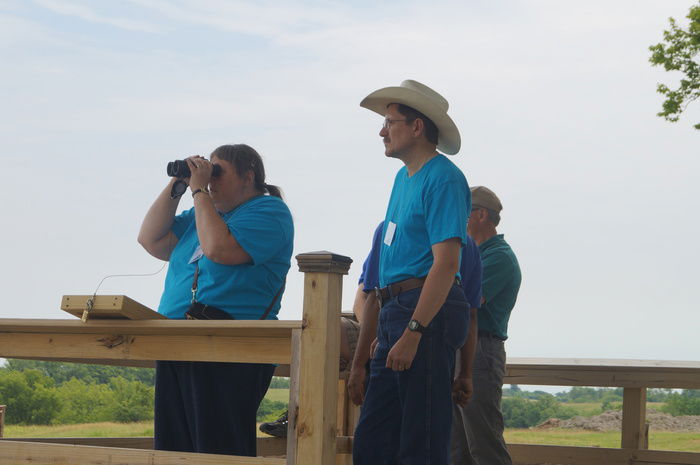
[(196, 255), (390, 231)]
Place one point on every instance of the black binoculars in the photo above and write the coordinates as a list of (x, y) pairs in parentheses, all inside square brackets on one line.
[(179, 169)]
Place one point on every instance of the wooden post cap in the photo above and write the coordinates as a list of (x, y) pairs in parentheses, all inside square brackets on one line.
[(323, 262)]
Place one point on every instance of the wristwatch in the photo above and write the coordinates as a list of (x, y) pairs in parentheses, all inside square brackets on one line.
[(413, 325), (197, 191)]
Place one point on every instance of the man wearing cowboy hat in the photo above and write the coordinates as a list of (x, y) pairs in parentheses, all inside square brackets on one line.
[(407, 412)]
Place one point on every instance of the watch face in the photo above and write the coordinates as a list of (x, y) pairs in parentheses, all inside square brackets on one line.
[(413, 325)]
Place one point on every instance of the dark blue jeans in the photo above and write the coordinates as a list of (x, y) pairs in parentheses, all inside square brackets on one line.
[(407, 416), (209, 407)]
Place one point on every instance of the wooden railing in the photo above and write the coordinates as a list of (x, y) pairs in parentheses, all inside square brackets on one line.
[(321, 417), (310, 347), (634, 376)]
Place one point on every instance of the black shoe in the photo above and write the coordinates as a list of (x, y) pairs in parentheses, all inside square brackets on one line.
[(277, 428)]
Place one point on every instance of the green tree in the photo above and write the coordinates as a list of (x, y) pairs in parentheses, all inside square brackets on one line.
[(679, 52), (30, 397), (85, 403), (62, 372), (133, 400), (685, 403)]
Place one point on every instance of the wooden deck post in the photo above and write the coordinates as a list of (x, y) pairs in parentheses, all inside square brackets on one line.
[(2, 420), (634, 414), (315, 422)]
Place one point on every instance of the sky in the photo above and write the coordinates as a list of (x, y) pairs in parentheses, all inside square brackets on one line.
[(555, 102)]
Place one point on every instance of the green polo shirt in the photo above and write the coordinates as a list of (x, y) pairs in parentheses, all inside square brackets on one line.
[(500, 286)]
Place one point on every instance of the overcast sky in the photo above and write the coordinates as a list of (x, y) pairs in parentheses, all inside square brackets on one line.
[(555, 101)]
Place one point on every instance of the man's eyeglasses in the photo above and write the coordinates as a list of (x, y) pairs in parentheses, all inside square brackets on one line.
[(389, 121)]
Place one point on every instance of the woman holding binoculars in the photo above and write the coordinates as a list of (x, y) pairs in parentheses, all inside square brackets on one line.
[(228, 259)]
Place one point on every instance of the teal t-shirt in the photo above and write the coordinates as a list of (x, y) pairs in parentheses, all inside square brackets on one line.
[(429, 207), (263, 227), (501, 283)]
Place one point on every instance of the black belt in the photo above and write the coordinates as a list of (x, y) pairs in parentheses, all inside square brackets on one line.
[(392, 290), (489, 335)]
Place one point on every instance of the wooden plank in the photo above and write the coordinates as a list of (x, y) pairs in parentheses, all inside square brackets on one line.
[(571, 455), (96, 361), (267, 446), (272, 447), (129, 443), (602, 363), (22, 453), (624, 377), (341, 419), (293, 405), (123, 347), (634, 413), (344, 445), (109, 307), (230, 328), (320, 351)]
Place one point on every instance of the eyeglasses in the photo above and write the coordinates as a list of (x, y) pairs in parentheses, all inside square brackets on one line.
[(389, 121)]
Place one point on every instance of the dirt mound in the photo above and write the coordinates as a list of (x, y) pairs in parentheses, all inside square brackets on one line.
[(612, 420)]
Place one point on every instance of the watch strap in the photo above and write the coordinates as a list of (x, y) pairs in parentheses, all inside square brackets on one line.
[(197, 191)]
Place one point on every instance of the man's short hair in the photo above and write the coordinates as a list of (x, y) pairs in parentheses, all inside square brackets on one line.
[(411, 114)]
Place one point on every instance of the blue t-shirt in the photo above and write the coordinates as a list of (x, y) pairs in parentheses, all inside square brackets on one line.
[(429, 207), (370, 268), (470, 268), (263, 227)]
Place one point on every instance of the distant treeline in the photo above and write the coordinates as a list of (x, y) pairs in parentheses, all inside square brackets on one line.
[(59, 393), (62, 393), (522, 409), (586, 394)]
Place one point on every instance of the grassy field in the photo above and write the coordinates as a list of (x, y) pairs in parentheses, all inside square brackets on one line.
[(278, 395), (85, 430), (689, 442)]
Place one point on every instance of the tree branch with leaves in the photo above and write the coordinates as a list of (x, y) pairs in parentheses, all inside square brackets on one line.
[(679, 52)]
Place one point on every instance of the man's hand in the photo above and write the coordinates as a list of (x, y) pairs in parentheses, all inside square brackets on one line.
[(373, 348), (201, 170), (356, 385), (402, 354), (462, 390)]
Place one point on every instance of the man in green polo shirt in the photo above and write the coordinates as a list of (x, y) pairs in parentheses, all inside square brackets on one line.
[(477, 428)]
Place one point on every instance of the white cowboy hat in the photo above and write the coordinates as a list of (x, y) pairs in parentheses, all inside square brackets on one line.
[(424, 99)]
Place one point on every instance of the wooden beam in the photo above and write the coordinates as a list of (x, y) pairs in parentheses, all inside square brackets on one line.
[(571, 455), (267, 446), (634, 413), (601, 372), (22, 453), (140, 347), (229, 328), (129, 443), (320, 351), (293, 405)]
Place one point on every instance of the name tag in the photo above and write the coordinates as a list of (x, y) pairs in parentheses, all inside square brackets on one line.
[(196, 255), (390, 231)]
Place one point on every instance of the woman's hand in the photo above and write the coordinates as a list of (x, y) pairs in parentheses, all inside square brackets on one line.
[(201, 169)]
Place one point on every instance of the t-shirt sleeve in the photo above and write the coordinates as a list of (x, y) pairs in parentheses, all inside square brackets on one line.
[(182, 222), (371, 274), (262, 229), (497, 270), (471, 272), (446, 211)]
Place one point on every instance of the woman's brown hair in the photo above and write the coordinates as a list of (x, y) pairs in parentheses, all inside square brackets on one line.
[(245, 158)]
